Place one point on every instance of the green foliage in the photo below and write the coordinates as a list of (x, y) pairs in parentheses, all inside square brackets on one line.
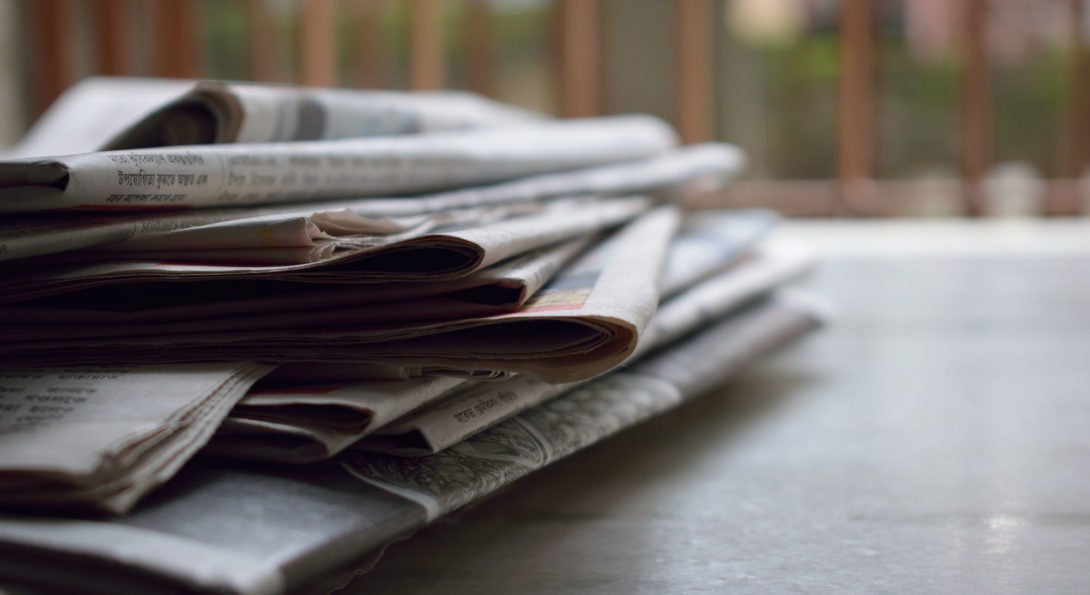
[(916, 111), (1028, 110), (800, 98)]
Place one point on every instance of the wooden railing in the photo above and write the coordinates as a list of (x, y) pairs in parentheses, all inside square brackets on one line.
[(172, 32)]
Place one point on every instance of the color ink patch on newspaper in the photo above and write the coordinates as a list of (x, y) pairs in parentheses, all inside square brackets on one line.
[(569, 292)]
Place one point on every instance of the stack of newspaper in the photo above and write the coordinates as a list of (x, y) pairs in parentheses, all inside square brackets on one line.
[(430, 295)]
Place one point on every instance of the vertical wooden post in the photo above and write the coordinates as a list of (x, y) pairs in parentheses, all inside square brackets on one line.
[(52, 51), (113, 27), (579, 57), (855, 108), (1078, 131), (372, 54), (425, 44), (265, 46), (693, 56), (479, 51), (317, 47), (175, 44), (975, 106), (1076, 154)]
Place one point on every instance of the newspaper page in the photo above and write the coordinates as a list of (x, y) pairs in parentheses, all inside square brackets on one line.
[(707, 244), (302, 424), (262, 173), (92, 111), (666, 175), (484, 404), (584, 322), (103, 113), (480, 247), (294, 418), (502, 287), (101, 437), (238, 529), (471, 243), (711, 241), (209, 229), (230, 112), (558, 427)]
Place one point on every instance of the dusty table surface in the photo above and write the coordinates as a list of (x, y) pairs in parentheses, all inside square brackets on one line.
[(934, 438)]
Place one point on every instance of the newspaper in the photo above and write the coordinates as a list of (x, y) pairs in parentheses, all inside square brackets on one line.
[(102, 437), (312, 423), (269, 240), (93, 111), (104, 238), (262, 173), (129, 112), (329, 374), (502, 287), (705, 166), (484, 404), (269, 530), (584, 322), (709, 242), (450, 479), (210, 229), (221, 112), (471, 243), (678, 174)]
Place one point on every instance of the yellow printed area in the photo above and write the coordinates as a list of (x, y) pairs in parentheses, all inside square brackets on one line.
[(559, 298), (265, 235)]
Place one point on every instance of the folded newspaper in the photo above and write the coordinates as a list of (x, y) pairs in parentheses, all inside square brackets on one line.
[(285, 420), (102, 437), (222, 112), (584, 322), (502, 287), (264, 173), (401, 306), (666, 176), (437, 261), (128, 113), (266, 530)]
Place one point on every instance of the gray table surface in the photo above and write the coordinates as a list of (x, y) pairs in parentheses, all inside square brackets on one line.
[(934, 438)]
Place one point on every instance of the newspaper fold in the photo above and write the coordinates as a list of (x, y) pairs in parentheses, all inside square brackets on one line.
[(502, 287), (261, 173), (221, 112), (711, 241), (240, 530), (484, 404), (89, 113), (435, 254), (312, 423), (668, 175), (558, 427), (584, 322), (101, 113), (708, 243), (102, 437)]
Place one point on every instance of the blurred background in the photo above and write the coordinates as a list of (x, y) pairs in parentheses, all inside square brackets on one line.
[(845, 107)]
